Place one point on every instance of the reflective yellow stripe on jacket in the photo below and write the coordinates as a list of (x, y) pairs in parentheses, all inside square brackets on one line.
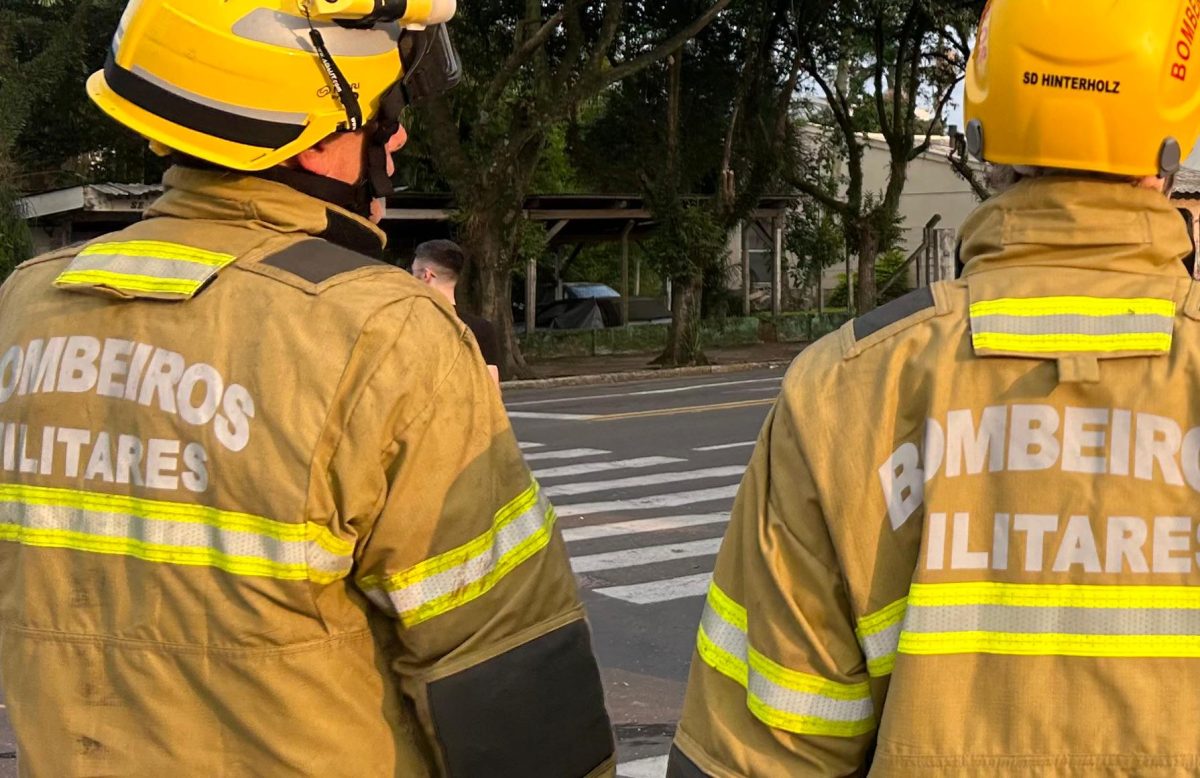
[(1040, 325), (879, 635), (1052, 619), (169, 270), (778, 696), (171, 533), (442, 583)]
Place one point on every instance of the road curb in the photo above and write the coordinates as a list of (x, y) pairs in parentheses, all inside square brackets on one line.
[(627, 376)]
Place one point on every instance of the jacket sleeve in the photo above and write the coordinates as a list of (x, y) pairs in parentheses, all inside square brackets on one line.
[(779, 684), (460, 551)]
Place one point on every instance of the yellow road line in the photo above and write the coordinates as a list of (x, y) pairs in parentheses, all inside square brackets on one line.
[(687, 409)]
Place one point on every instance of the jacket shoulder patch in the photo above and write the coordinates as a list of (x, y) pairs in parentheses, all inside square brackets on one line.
[(316, 261), (897, 310)]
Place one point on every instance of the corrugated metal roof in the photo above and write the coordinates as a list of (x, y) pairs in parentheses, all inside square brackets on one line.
[(1187, 183), (126, 190)]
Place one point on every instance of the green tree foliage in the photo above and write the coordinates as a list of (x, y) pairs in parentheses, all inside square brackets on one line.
[(529, 66), (16, 245), (901, 56), (49, 131), (716, 121)]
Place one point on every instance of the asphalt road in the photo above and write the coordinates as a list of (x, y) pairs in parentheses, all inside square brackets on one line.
[(643, 476)]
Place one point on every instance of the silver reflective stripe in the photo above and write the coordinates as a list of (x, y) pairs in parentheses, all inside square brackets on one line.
[(144, 266), (442, 583), (281, 117), (780, 697), (1052, 620), (798, 703), (1068, 324), (881, 645), (124, 24), (164, 540), (275, 28), (724, 635)]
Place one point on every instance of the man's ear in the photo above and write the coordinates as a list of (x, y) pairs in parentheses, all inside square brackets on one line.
[(315, 159)]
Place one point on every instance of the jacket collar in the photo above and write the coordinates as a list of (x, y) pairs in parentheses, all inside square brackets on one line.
[(1071, 222), (221, 195)]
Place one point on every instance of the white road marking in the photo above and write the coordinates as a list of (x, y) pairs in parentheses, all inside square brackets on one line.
[(569, 453), (643, 393), (650, 767), (523, 446), (660, 591), (724, 446), (564, 490), (694, 387), (672, 500), (636, 526), (597, 467), (549, 416), (645, 555)]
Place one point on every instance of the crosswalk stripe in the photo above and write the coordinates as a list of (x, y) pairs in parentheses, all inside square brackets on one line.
[(636, 526), (566, 490), (598, 467), (654, 501), (724, 446), (644, 555), (650, 767), (570, 453), (660, 591), (523, 445)]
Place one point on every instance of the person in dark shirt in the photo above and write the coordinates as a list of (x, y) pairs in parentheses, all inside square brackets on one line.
[(439, 264)]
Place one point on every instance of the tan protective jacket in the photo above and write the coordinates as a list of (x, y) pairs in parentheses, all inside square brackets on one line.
[(262, 514), (967, 542)]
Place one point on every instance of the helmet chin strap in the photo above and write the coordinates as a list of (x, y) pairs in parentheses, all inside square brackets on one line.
[(375, 166)]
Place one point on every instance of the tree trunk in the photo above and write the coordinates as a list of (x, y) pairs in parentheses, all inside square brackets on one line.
[(683, 336), (868, 251), (482, 241)]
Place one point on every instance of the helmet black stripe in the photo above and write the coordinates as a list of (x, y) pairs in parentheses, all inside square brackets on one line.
[(262, 133)]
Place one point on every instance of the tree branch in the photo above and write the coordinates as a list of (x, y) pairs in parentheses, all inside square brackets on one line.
[(810, 189), (532, 45), (573, 23), (939, 108), (608, 33), (625, 69), (880, 51), (968, 174)]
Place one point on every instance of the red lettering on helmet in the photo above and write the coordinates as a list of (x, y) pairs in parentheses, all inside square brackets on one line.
[(1187, 37)]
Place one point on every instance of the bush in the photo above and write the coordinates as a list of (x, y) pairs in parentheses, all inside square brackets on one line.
[(886, 266)]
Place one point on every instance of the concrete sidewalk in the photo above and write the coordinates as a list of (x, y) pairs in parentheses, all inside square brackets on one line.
[(579, 371)]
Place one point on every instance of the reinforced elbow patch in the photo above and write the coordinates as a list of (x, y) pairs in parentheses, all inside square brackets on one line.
[(536, 711)]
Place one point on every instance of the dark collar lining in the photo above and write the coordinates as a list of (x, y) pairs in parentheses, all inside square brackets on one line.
[(340, 228)]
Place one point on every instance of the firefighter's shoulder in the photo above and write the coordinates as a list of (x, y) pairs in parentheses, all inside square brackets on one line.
[(315, 265), (891, 322), (868, 347), (65, 252)]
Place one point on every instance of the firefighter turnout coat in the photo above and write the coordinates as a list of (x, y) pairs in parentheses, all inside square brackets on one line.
[(262, 514), (967, 541)]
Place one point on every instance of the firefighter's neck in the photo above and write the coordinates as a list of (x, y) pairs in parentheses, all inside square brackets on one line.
[(445, 289)]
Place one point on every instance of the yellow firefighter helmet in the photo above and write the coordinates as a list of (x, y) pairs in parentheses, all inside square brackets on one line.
[(246, 84), (1111, 86)]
